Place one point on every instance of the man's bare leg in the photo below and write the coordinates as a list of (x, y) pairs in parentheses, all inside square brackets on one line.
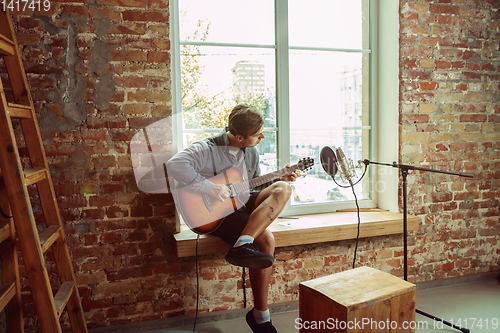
[(259, 254), (269, 204), (260, 278)]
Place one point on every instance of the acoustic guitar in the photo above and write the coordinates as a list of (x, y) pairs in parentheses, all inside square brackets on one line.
[(203, 213)]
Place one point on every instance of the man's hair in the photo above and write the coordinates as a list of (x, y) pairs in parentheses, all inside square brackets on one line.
[(245, 120)]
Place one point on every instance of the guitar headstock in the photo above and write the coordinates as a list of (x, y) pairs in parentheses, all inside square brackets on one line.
[(305, 163)]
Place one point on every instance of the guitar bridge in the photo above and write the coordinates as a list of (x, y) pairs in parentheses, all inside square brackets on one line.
[(232, 190), (208, 203)]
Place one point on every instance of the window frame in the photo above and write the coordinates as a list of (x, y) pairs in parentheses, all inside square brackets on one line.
[(383, 105)]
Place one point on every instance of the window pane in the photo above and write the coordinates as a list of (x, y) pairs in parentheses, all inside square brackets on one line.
[(267, 153), (326, 23), (326, 107), (215, 79), (227, 21)]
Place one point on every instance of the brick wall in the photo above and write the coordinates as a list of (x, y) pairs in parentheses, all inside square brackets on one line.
[(450, 120), (100, 72)]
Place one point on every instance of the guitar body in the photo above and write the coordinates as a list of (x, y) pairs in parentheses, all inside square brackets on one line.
[(203, 213)]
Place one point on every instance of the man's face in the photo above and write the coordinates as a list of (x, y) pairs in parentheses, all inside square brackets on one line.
[(254, 139)]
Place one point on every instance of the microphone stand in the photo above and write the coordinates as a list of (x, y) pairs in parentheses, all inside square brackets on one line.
[(404, 173)]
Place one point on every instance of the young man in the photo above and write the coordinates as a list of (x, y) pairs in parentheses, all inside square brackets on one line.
[(246, 228)]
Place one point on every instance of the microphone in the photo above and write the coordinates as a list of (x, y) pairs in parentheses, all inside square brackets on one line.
[(328, 161), (345, 165)]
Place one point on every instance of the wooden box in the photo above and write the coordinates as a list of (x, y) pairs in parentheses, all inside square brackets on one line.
[(358, 300)]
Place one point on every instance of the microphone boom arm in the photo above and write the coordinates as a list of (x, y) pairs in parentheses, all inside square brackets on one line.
[(411, 167)]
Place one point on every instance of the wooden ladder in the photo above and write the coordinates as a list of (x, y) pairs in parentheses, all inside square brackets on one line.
[(17, 180), (10, 290)]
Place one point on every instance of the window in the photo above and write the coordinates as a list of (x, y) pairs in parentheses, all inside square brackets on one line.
[(309, 66)]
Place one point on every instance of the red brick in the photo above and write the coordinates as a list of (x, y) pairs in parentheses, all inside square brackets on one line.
[(409, 63), (443, 64), (144, 16), (409, 17), (112, 188), (125, 250), (474, 118), (155, 56), (123, 55), (104, 161), (451, 53), (124, 3), (413, 29), (131, 82), (472, 55), (74, 11), (114, 212), (424, 40), (137, 236), (94, 122), (90, 239), (473, 76), (472, 66), (461, 234), (111, 238), (92, 304), (444, 9), (444, 19), (428, 85), (130, 272), (96, 213)]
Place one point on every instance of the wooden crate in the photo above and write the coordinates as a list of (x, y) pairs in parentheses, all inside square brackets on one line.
[(358, 300)]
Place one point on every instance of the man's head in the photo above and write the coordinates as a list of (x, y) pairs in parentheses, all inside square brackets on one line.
[(245, 120)]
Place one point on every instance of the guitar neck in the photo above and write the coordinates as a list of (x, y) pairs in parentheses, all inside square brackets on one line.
[(255, 182)]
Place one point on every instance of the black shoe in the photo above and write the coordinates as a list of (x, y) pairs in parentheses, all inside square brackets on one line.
[(267, 327), (248, 255)]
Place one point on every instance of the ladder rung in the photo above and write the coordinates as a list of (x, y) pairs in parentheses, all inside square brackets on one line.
[(19, 111), (7, 291), (49, 236), (6, 46), (63, 295), (4, 232), (32, 176)]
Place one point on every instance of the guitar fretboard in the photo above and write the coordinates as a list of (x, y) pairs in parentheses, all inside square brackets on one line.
[(255, 182)]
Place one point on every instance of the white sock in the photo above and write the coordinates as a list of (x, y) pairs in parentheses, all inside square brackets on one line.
[(261, 317), (244, 239)]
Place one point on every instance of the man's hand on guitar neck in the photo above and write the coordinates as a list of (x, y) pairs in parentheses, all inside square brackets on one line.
[(220, 192), (291, 177)]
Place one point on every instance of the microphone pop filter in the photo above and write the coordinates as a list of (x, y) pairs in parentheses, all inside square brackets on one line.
[(328, 160)]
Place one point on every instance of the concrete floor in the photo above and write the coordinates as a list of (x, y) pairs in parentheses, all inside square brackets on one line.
[(476, 303)]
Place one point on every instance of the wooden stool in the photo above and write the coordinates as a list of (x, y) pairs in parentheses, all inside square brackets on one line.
[(358, 300)]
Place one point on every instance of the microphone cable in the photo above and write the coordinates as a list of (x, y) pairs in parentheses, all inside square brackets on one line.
[(359, 223), (351, 185), (197, 285)]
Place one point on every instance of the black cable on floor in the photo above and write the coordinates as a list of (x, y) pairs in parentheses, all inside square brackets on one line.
[(359, 222), (197, 285)]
